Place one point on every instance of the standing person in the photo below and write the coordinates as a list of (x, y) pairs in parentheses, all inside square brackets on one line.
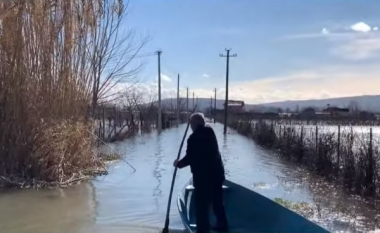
[(203, 156)]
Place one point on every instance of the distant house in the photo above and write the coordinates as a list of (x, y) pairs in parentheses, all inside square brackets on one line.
[(235, 106), (335, 111), (307, 112), (285, 115), (322, 114)]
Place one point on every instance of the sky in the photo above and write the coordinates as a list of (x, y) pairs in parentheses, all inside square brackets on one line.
[(286, 49)]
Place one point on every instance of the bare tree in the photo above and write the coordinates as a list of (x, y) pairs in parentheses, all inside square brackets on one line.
[(142, 100), (354, 108), (111, 50), (170, 104)]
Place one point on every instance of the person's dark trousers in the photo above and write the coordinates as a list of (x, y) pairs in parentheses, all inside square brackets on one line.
[(204, 197), (218, 207)]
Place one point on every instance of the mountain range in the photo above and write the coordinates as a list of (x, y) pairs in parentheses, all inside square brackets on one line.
[(366, 103)]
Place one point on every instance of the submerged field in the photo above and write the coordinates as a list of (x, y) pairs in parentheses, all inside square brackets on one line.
[(347, 154)]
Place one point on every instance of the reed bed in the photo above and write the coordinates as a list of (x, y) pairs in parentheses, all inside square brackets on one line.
[(50, 85), (340, 154)]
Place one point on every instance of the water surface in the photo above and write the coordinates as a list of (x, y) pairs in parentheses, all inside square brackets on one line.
[(127, 201)]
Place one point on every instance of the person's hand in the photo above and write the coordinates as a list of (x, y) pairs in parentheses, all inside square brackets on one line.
[(175, 163)]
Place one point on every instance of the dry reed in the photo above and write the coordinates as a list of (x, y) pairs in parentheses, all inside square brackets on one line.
[(345, 157), (46, 87)]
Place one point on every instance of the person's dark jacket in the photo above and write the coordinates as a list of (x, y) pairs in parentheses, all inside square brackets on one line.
[(204, 158)]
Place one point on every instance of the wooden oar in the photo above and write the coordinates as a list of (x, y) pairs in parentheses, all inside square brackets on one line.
[(166, 227)]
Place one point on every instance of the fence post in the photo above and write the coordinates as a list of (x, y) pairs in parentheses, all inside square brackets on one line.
[(370, 142), (370, 168), (114, 118), (338, 151), (316, 139), (301, 144), (99, 133), (104, 123)]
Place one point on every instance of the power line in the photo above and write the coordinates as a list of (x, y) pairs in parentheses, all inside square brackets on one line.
[(226, 100), (113, 60), (134, 56)]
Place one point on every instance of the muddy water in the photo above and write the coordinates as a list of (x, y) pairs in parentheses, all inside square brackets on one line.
[(127, 201)]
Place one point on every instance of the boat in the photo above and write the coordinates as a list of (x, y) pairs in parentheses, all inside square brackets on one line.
[(247, 212)]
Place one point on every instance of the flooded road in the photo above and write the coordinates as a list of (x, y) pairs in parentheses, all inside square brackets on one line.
[(127, 201)]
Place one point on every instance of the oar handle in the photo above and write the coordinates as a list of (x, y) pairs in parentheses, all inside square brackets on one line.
[(166, 227)]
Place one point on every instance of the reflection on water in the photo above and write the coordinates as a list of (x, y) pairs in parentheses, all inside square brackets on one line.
[(48, 211), (225, 152), (157, 173), (124, 201)]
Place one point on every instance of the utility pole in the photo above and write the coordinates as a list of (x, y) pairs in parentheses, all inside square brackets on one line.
[(210, 107), (226, 100), (214, 105), (159, 126), (178, 101), (187, 100), (193, 100)]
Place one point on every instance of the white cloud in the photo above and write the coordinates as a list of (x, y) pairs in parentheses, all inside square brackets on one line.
[(361, 27), (165, 81), (310, 84), (312, 35), (205, 75), (319, 83), (358, 48), (356, 42), (165, 78), (335, 32)]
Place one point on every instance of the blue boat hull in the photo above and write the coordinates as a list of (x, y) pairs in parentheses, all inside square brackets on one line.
[(247, 212)]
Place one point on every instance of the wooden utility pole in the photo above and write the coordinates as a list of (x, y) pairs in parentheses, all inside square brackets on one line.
[(210, 107), (193, 100), (159, 126), (187, 100), (215, 105), (178, 101), (226, 100)]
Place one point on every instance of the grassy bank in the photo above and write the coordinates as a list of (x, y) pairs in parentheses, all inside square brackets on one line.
[(341, 155)]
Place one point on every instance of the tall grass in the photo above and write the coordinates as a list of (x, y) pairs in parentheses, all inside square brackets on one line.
[(45, 90), (347, 157)]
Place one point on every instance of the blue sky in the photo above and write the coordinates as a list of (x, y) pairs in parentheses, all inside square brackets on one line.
[(293, 49)]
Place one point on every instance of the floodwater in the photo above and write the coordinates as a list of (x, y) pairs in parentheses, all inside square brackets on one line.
[(127, 201)]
